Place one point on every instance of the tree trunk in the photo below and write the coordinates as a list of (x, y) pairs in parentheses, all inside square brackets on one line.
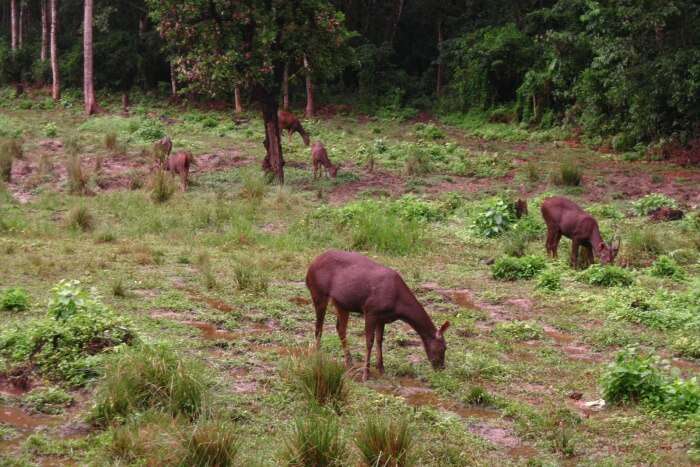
[(237, 100), (440, 65), (285, 88), (13, 24), (55, 75), (88, 79), (396, 18), (310, 109), (20, 31), (44, 31), (273, 163), (173, 80)]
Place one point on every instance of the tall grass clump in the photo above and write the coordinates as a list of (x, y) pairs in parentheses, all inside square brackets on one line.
[(315, 441), (211, 443), (250, 276), (320, 378), (10, 149), (110, 141), (253, 187), (569, 175), (77, 178), (151, 377), (162, 186), (384, 231), (385, 442), (80, 218)]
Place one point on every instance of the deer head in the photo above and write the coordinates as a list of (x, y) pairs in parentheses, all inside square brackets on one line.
[(609, 252), (437, 346)]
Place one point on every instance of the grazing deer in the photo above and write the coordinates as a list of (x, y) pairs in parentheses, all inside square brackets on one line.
[(319, 157), (162, 149), (179, 163), (564, 217), (356, 284), (520, 208), (287, 121)]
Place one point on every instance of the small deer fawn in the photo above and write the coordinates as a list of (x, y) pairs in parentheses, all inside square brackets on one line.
[(319, 157)]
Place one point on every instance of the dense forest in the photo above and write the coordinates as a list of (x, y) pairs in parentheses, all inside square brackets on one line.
[(622, 72)]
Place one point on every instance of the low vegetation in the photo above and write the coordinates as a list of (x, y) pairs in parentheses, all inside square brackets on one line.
[(508, 268), (385, 442)]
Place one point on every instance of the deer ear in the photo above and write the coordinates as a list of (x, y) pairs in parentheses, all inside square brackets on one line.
[(443, 328)]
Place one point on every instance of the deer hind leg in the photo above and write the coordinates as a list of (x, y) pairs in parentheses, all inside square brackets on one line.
[(370, 325), (320, 305), (574, 253), (341, 325), (183, 179), (379, 337), (556, 236)]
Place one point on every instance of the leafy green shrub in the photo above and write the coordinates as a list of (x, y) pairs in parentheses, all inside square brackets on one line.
[(605, 211), (149, 130), (49, 401), (320, 378), (686, 346), (517, 331), (549, 280), (386, 442), (606, 276), (508, 268), (428, 131), (417, 161), (151, 377), (50, 130), (529, 227), (494, 220), (80, 218), (315, 440), (632, 378), (666, 267), (162, 186), (66, 345), (14, 299), (412, 208), (211, 443), (649, 203)]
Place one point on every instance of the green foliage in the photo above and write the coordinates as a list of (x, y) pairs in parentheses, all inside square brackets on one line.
[(659, 310), (10, 149), (50, 130), (149, 130), (211, 443), (649, 203), (162, 186), (606, 276), (686, 346), (569, 175), (508, 268), (428, 131), (66, 345), (385, 441), (516, 331), (549, 280), (77, 178), (14, 299), (666, 267), (321, 379), (249, 275), (49, 401), (314, 440), (494, 220), (151, 377), (80, 218)]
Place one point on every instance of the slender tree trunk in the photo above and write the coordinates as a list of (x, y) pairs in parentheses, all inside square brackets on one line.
[(13, 24), (44, 31), (310, 109), (273, 162), (396, 18), (55, 75), (88, 79), (237, 100), (20, 32), (173, 80), (285, 88), (440, 65)]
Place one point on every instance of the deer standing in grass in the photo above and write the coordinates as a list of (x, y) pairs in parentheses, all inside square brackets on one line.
[(179, 164), (287, 121), (564, 217), (319, 157), (356, 284)]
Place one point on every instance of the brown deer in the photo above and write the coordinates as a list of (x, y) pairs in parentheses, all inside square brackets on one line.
[(179, 163), (319, 157), (356, 284), (287, 121), (162, 149), (564, 217)]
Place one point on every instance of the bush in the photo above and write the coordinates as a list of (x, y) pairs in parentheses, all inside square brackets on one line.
[(494, 220), (321, 379), (250, 276), (651, 202), (211, 443), (149, 130), (429, 131), (549, 280), (162, 186), (412, 208), (643, 243), (686, 346), (66, 345), (50, 401), (385, 442), (77, 179), (80, 218), (632, 378), (50, 130), (606, 276), (315, 441), (14, 299), (417, 161), (254, 186), (508, 268), (151, 378), (569, 175), (514, 244), (517, 331), (666, 267)]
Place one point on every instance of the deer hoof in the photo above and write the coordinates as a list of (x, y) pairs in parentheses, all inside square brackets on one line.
[(365, 374), (380, 369)]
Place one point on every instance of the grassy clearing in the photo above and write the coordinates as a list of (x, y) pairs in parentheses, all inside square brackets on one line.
[(216, 276)]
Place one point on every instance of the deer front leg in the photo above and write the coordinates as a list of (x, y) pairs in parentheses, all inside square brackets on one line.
[(370, 325), (379, 336), (183, 179), (341, 325), (574, 253)]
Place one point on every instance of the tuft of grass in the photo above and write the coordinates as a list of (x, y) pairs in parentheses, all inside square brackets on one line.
[(118, 289), (14, 299), (386, 232), (606, 276), (549, 280), (110, 141), (211, 443), (666, 267), (642, 244), (320, 378), (516, 331), (77, 178), (162, 186), (105, 236), (49, 401), (508, 268), (10, 149), (250, 276), (151, 377), (569, 175), (385, 442), (154, 439), (254, 186), (314, 441), (80, 218)]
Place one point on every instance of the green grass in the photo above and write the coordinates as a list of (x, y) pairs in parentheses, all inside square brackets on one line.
[(321, 379), (385, 442), (314, 440)]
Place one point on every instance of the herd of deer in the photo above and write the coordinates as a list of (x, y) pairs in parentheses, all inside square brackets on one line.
[(354, 283)]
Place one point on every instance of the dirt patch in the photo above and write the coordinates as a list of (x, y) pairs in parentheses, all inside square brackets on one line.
[(301, 301), (16, 381), (375, 181)]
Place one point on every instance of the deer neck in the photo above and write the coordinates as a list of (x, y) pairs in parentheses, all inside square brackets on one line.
[(416, 317), (596, 240)]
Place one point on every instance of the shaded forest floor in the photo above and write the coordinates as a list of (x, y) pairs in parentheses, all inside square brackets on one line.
[(534, 357)]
